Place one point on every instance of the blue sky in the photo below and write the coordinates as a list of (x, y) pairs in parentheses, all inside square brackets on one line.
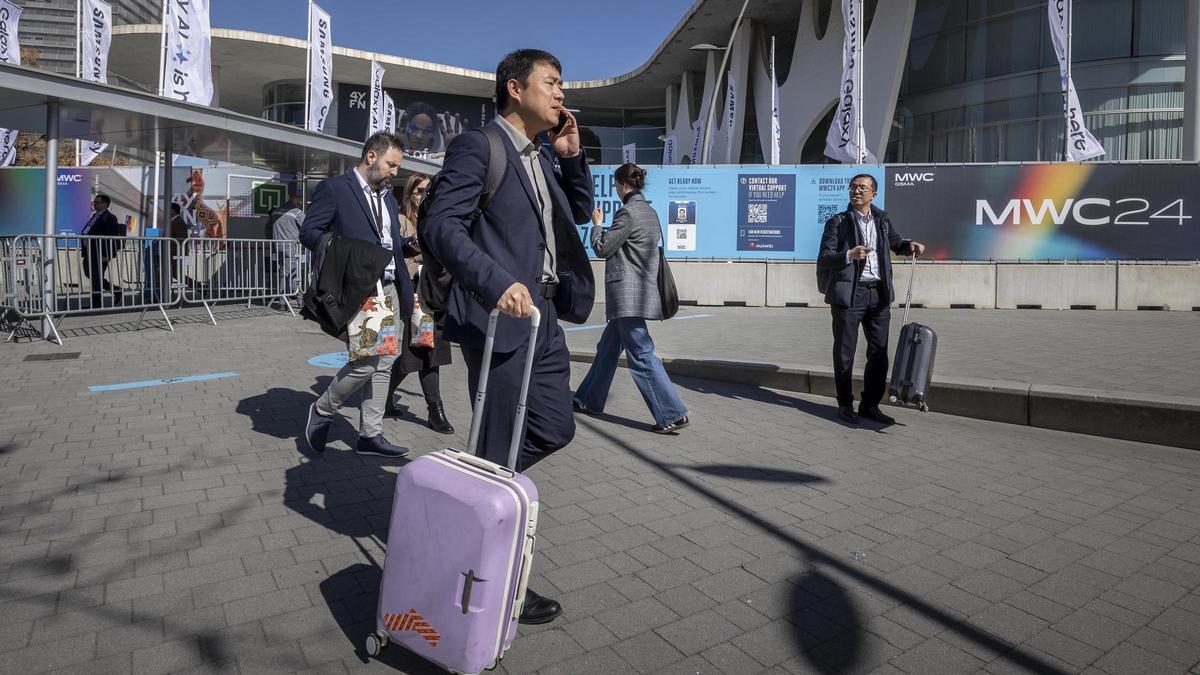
[(592, 39)]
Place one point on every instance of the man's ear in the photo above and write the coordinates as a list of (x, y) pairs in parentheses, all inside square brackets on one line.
[(514, 89)]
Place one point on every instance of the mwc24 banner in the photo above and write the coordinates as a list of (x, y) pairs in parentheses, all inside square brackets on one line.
[(978, 212)]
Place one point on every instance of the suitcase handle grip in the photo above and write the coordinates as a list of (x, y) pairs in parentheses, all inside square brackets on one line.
[(480, 463), (489, 344)]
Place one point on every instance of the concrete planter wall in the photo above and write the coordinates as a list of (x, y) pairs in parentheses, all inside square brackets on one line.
[(982, 285)]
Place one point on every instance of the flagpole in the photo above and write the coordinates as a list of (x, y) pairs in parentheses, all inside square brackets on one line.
[(162, 69), (860, 132), (78, 65), (308, 68), (1066, 91)]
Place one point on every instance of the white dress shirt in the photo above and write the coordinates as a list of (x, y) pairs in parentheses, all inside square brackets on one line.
[(530, 154), (866, 232), (384, 224)]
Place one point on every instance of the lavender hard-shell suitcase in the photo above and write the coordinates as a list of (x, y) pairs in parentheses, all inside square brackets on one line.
[(460, 547), (915, 351)]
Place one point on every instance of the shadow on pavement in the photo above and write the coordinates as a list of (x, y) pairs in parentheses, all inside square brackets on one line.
[(209, 644), (347, 494), (352, 594), (753, 473), (841, 650)]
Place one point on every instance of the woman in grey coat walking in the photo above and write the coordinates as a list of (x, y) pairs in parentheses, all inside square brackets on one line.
[(630, 252)]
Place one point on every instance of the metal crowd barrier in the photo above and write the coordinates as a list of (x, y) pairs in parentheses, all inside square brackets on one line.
[(50, 277), (88, 275), (243, 270)]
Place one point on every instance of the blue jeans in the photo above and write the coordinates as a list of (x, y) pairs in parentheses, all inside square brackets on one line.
[(631, 336)]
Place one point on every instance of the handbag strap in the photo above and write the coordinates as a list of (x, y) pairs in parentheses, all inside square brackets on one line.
[(379, 288)]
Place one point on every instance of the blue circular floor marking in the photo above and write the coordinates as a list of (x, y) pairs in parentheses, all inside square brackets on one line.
[(330, 360)]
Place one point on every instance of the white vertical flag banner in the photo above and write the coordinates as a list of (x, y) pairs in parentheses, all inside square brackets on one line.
[(629, 153), (775, 128), (95, 39), (10, 52), (1081, 144), (187, 61), (320, 67), (389, 114), (844, 142), (377, 104), (697, 140), (669, 154), (730, 116)]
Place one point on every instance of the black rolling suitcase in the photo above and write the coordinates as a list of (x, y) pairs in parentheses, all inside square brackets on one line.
[(915, 349)]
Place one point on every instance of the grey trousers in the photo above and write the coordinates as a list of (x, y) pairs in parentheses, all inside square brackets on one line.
[(371, 376)]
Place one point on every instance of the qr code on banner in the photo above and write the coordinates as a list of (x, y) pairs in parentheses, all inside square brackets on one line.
[(827, 211), (681, 233), (756, 213)]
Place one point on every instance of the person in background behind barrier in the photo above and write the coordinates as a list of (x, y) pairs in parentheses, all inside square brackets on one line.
[(359, 205), (424, 361), (854, 271), (285, 231), (177, 229), (97, 253), (630, 252)]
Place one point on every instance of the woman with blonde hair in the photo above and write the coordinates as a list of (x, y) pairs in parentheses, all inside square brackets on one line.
[(424, 361)]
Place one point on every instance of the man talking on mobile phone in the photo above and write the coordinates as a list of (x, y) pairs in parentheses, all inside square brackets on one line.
[(515, 249), (854, 271)]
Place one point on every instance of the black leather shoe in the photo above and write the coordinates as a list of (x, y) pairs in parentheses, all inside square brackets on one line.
[(846, 412), (437, 419), (378, 445), (539, 609), (672, 427), (316, 430), (874, 413)]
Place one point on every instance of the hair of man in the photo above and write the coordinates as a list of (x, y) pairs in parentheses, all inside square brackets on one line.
[(874, 183), (380, 142)]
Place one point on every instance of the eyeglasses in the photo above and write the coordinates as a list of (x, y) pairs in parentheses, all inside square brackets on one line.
[(860, 188)]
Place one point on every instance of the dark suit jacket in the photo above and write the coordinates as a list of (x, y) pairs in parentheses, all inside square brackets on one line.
[(339, 206), (838, 278), (507, 245), (105, 226)]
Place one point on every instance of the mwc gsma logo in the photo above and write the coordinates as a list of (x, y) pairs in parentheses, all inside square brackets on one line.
[(911, 178)]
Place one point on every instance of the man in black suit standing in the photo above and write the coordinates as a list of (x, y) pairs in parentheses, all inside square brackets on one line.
[(97, 253), (854, 271), (359, 205), (522, 250)]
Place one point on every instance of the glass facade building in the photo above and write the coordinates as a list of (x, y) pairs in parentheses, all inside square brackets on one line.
[(982, 85), (49, 28)]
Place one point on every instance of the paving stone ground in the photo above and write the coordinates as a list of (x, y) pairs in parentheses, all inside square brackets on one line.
[(1143, 352), (180, 528)]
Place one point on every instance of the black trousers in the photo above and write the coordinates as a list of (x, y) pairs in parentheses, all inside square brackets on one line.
[(870, 310), (549, 420)]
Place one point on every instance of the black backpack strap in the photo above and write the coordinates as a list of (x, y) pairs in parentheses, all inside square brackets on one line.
[(497, 165)]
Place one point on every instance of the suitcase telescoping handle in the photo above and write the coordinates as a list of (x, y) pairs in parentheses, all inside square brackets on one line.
[(489, 344), (908, 300)]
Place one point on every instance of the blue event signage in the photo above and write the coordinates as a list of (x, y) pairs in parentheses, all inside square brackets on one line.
[(766, 212), (732, 212)]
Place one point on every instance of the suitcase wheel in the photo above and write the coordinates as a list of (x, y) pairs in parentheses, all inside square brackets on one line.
[(376, 642), (924, 407)]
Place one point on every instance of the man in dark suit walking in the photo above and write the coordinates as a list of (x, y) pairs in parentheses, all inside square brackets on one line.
[(854, 271), (97, 253), (521, 251), (359, 205)]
